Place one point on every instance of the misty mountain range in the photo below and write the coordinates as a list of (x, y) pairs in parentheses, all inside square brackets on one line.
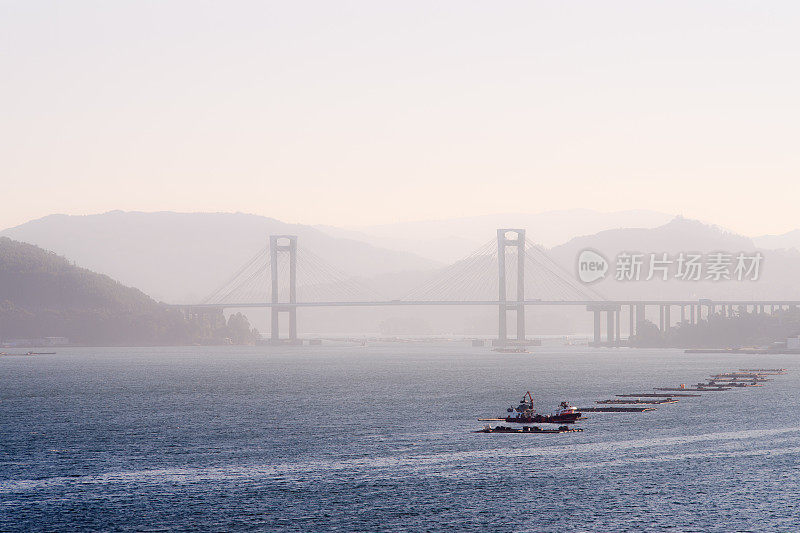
[(777, 276), (182, 257), (785, 241), (449, 240)]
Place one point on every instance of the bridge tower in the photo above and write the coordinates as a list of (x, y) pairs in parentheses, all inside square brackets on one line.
[(519, 306), (280, 245)]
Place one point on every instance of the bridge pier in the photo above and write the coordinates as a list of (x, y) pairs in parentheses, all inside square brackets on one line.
[(640, 315), (631, 321), (291, 249), (518, 306), (597, 318), (612, 312)]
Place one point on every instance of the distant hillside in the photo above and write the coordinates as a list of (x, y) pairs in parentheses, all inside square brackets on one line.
[(44, 295), (182, 257), (452, 239), (787, 240), (778, 277)]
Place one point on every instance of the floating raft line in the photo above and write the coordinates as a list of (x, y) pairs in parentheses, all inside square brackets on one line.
[(617, 409), (704, 389), (527, 429), (738, 380), (750, 351), (640, 401), (735, 375), (747, 351), (658, 395), (734, 384), (529, 422), (26, 354)]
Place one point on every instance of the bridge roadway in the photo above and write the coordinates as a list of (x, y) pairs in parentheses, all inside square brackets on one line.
[(600, 304), (611, 308)]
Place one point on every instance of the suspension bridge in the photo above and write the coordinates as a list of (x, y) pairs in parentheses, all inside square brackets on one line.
[(509, 272)]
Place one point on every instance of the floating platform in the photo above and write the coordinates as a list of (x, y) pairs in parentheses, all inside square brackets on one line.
[(738, 380), (529, 421), (746, 351), (739, 384), (640, 401), (510, 350), (508, 343), (737, 375), (698, 389), (527, 429), (658, 395), (26, 354), (618, 409)]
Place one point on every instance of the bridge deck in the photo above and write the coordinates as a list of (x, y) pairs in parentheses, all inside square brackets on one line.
[(493, 303)]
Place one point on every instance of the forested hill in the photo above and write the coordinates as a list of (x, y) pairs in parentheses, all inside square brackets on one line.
[(43, 295)]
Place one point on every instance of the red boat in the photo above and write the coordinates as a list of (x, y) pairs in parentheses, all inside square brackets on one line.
[(524, 413)]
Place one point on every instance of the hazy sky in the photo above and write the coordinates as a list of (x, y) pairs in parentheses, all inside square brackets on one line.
[(368, 112)]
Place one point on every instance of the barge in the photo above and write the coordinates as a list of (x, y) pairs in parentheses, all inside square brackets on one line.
[(658, 395), (527, 429), (698, 389), (639, 401), (617, 409)]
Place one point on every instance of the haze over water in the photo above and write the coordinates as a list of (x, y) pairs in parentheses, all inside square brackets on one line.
[(381, 439)]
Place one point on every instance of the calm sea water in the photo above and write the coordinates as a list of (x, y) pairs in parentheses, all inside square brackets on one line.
[(342, 438)]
